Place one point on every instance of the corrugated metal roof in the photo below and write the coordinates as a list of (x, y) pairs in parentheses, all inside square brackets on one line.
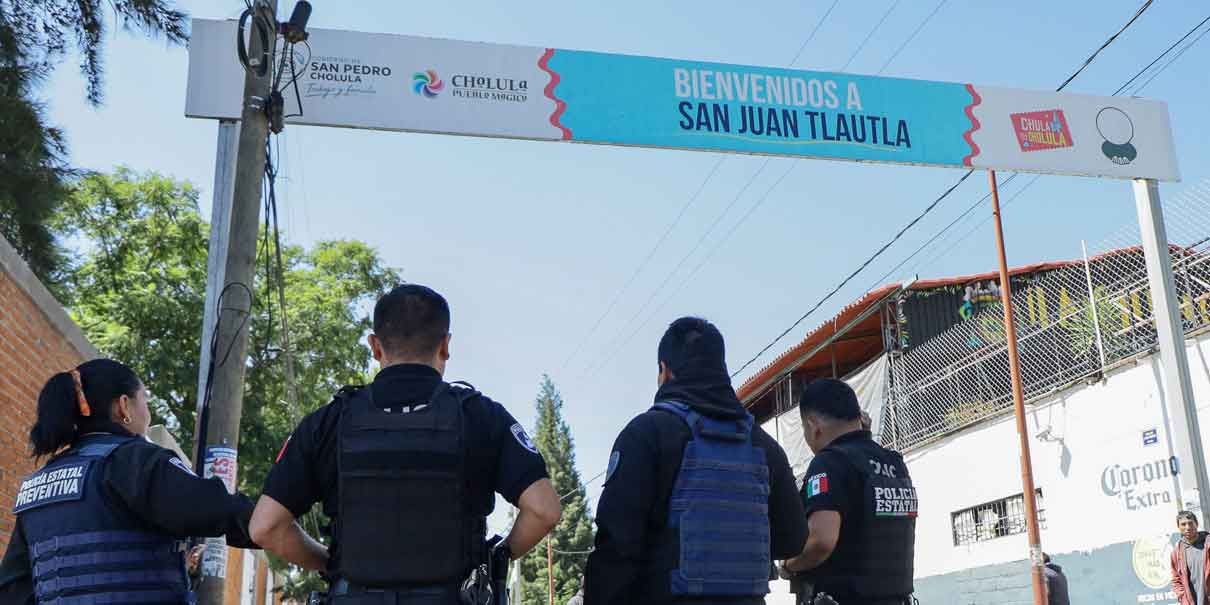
[(758, 383)]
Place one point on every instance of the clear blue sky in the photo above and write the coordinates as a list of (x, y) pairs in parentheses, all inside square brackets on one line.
[(530, 241)]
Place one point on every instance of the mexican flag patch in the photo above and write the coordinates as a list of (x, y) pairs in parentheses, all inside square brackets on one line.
[(817, 484)]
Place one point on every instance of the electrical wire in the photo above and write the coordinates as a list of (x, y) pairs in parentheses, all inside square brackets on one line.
[(928, 209), (822, 20), (584, 486), (1158, 58), (865, 41), (855, 272), (668, 278), (643, 265), (705, 259), (909, 39), (1035, 178), (1139, 13), (1172, 60), (613, 303)]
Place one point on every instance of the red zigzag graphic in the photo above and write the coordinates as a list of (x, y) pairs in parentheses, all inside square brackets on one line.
[(560, 106)]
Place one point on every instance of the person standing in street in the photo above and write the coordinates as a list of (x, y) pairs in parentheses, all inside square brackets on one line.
[(1056, 582), (109, 516), (698, 500), (860, 506), (1190, 562), (408, 468)]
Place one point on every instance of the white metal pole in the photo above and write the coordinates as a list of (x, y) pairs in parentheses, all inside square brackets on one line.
[(220, 232), (1178, 389), (1092, 304)]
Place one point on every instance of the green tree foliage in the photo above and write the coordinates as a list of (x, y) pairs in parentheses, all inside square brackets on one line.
[(138, 289), (572, 538), (35, 35)]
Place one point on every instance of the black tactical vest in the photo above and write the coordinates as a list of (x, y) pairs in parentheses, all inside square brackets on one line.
[(404, 513), (883, 565)]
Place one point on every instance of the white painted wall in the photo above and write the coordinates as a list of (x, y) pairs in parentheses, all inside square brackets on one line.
[(1091, 429), (1075, 436)]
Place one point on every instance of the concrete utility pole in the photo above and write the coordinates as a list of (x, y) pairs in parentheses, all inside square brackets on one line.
[(233, 320)]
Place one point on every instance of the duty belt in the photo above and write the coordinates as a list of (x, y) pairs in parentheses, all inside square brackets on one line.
[(344, 593)]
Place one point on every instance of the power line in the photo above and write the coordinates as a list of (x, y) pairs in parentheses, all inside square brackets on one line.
[(861, 46), (709, 255), (1035, 179), (855, 272), (1157, 59), (912, 37), (684, 259), (819, 25), (1173, 60), (584, 486), (612, 346), (643, 265), (1142, 9), (938, 235), (933, 205)]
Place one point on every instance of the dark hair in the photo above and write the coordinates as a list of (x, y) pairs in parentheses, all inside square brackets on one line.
[(830, 398), (692, 342), (411, 320), (1045, 558), (60, 420), (1185, 515)]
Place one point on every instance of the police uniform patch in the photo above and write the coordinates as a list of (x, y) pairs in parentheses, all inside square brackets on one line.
[(51, 485), (177, 462), (816, 485), (614, 459), (523, 438)]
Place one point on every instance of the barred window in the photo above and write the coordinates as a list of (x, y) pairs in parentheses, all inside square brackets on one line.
[(995, 519)]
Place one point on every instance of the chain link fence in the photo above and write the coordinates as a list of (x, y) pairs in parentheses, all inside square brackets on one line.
[(1073, 323)]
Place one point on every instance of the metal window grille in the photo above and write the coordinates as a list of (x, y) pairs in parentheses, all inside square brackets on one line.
[(1066, 332), (995, 519)]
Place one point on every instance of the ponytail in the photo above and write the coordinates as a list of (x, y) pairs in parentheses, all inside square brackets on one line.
[(79, 401)]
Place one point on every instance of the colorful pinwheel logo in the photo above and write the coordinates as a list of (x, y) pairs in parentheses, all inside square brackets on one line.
[(427, 84)]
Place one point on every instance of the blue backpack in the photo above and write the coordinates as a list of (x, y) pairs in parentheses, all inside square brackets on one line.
[(719, 509)]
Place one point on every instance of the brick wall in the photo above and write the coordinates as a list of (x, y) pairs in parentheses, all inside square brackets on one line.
[(37, 339)]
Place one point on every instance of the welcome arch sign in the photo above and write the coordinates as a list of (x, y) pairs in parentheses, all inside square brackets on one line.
[(416, 84)]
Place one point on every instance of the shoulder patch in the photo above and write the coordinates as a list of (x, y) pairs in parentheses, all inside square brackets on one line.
[(177, 462), (816, 485), (614, 459), (522, 437)]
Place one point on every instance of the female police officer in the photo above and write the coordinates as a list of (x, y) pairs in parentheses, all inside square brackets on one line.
[(103, 520)]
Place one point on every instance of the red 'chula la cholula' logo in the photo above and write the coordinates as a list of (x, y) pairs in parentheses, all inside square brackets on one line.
[(1038, 130)]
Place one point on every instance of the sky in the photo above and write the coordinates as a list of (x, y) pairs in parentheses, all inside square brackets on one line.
[(531, 241)]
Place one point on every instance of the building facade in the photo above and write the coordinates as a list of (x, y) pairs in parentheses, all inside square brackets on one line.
[(928, 361)]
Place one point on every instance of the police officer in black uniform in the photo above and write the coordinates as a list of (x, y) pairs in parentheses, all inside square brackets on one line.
[(407, 469), (697, 500), (860, 506), (107, 518)]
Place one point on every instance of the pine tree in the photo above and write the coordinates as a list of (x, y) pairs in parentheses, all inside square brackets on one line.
[(572, 538)]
